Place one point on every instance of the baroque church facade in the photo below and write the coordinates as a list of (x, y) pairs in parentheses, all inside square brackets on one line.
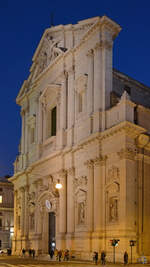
[(86, 125)]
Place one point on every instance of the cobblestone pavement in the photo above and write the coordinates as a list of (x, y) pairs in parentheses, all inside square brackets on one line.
[(11, 261)]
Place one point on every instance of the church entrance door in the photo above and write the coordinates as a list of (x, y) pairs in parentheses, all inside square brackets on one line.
[(52, 231)]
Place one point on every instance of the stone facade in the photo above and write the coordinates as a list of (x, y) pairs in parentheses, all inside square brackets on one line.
[(6, 213), (88, 126)]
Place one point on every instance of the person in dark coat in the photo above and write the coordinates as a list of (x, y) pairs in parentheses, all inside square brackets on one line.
[(95, 257), (51, 253), (103, 256), (125, 257), (59, 255), (33, 253)]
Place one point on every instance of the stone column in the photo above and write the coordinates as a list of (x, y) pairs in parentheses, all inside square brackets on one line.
[(44, 122), (15, 214), (40, 124), (62, 203), (90, 194), (26, 132), (71, 98), (63, 105), (26, 212), (90, 85), (23, 132), (22, 210), (70, 201), (97, 77), (58, 112), (97, 196)]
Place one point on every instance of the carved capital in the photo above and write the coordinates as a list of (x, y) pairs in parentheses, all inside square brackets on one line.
[(89, 163), (62, 173), (71, 171), (103, 44), (100, 160), (90, 53)]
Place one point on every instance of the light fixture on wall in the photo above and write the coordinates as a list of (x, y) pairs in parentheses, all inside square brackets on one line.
[(58, 184)]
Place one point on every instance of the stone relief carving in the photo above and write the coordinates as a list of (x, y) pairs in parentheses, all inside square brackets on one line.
[(113, 174), (48, 193), (112, 197), (113, 209), (50, 50), (81, 211), (80, 187)]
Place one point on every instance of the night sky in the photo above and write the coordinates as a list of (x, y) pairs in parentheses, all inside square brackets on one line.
[(22, 23)]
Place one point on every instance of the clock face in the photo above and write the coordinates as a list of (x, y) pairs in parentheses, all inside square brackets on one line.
[(48, 204)]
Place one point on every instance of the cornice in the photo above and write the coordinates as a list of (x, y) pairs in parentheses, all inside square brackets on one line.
[(143, 109), (126, 127)]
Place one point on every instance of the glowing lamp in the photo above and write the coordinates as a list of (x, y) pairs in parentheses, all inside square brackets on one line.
[(58, 185)]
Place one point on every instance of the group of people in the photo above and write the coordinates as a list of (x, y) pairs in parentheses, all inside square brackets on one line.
[(31, 252), (59, 254), (103, 257)]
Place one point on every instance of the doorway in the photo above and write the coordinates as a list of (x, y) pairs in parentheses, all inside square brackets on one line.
[(52, 231)]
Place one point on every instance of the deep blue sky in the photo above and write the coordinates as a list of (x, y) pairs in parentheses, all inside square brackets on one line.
[(22, 23)]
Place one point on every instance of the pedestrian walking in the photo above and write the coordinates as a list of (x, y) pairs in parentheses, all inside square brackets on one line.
[(51, 253), (59, 255), (23, 252), (103, 257), (95, 257), (125, 257), (30, 252), (33, 253)]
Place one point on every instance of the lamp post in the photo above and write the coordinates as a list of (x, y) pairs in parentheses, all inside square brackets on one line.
[(132, 244), (114, 243)]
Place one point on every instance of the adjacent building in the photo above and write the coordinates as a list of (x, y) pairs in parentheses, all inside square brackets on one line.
[(87, 126), (6, 213)]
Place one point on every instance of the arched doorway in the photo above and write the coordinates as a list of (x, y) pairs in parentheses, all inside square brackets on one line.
[(52, 231)]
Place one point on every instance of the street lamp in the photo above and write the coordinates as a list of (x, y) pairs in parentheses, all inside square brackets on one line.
[(114, 243), (58, 185), (132, 244)]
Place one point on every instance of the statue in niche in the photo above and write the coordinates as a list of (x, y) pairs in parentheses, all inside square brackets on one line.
[(113, 210), (81, 213)]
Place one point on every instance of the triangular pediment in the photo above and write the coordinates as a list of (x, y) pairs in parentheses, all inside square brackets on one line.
[(49, 48)]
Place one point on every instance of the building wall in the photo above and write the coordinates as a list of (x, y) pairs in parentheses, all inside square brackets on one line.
[(6, 213), (98, 152)]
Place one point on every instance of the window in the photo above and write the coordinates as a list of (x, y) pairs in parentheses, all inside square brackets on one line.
[(1, 199), (53, 122)]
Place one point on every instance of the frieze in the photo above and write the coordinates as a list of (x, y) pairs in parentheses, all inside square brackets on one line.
[(127, 153)]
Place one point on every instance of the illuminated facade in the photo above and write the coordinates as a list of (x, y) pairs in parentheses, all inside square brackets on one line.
[(86, 125), (6, 213)]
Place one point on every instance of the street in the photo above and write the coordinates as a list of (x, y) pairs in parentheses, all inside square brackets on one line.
[(12, 261)]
